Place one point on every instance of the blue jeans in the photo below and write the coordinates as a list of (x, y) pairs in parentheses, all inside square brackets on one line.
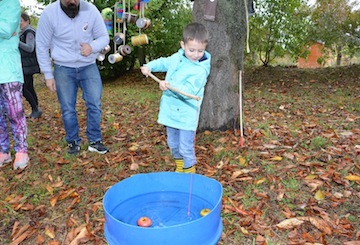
[(181, 144), (68, 80)]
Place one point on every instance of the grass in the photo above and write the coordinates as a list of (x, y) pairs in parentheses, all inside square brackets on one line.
[(301, 136)]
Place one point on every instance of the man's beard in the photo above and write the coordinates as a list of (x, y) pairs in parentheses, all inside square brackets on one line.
[(71, 10)]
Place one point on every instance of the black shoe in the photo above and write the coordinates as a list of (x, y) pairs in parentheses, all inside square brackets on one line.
[(98, 147), (36, 113), (74, 148)]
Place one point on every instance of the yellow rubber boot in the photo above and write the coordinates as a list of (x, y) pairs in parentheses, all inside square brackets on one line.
[(179, 165), (191, 170)]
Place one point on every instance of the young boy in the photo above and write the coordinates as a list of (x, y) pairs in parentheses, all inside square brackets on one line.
[(187, 70)]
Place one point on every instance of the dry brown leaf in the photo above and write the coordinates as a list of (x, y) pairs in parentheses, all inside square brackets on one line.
[(259, 181), (220, 164), (353, 177), (134, 166), (270, 146), (352, 243), (27, 207), (223, 140), (57, 184), (236, 174), (207, 132), (49, 189), (276, 158), (16, 233), (290, 223), (319, 195), (280, 196), (242, 161), (53, 201), (314, 184), (244, 231), (290, 156), (14, 229), (83, 236), (23, 236), (320, 224), (40, 239), (50, 232)]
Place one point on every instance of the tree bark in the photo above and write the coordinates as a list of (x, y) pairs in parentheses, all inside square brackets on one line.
[(338, 55), (220, 109)]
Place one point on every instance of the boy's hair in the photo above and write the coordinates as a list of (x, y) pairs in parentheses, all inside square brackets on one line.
[(195, 31), (25, 16)]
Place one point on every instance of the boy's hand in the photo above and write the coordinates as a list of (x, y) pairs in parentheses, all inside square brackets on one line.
[(145, 70), (163, 85)]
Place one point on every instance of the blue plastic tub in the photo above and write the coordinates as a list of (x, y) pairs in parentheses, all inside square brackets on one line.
[(172, 201)]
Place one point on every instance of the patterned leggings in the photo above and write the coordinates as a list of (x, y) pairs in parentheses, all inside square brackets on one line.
[(11, 108)]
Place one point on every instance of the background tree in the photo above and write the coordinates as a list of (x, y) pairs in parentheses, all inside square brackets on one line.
[(220, 108), (278, 28), (334, 23)]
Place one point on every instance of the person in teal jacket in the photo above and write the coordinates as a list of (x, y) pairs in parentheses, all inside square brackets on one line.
[(186, 70), (11, 83)]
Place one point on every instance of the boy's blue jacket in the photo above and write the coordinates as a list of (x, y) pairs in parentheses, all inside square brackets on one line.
[(176, 110)]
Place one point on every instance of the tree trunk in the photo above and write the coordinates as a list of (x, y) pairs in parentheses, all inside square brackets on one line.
[(220, 109), (338, 55)]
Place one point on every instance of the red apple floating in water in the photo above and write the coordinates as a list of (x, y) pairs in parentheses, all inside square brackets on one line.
[(144, 222)]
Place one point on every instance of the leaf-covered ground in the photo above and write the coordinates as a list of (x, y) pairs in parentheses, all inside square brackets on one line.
[(295, 181)]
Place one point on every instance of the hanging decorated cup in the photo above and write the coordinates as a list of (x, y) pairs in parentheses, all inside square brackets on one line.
[(119, 13), (139, 40), (124, 50), (118, 39), (101, 57), (113, 58), (143, 23), (130, 18), (106, 49)]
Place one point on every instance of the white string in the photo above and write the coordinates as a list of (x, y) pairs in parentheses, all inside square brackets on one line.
[(124, 24), (115, 15), (247, 26)]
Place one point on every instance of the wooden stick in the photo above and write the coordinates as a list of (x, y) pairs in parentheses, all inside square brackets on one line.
[(175, 89), (242, 140)]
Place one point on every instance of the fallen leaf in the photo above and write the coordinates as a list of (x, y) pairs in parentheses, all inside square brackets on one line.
[(259, 181), (134, 166), (242, 161), (50, 189), (353, 177), (352, 243), (319, 195), (50, 232), (236, 174), (311, 176), (83, 236), (53, 201), (244, 231), (289, 223), (276, 158), (220, 165), (320, 224)]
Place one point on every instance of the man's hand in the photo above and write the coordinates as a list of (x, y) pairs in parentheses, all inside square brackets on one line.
[(86, 49), (50, 83)]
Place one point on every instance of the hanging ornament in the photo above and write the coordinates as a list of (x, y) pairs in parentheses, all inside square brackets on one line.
[(106, 14), (119, 12), (137, 5)]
